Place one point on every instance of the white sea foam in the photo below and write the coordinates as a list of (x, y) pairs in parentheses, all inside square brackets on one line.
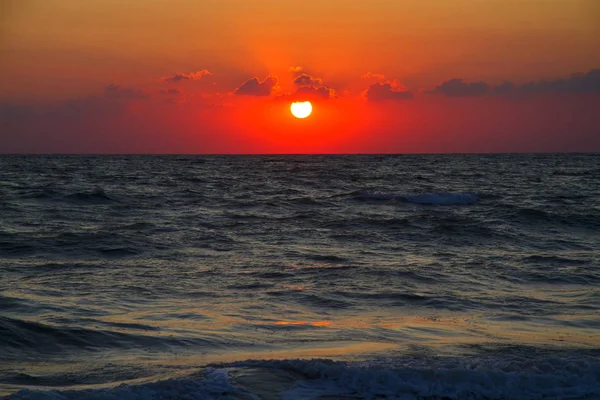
[(441, 198), (457, 379)]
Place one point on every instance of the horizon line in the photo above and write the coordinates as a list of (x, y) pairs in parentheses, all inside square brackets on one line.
[(308, 154)]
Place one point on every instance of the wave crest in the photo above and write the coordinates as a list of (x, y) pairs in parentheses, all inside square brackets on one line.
[(97, 195), (417, 379)]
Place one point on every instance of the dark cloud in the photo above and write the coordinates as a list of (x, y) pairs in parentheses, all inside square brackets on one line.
[(311, 88), (113, 91), (387, 91), (315, 92), (576, 83), (187, 77), (307, 80), (254, 87), (458, 88)]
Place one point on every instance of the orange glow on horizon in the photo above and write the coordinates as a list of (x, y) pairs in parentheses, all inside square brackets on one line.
[(335, 125)]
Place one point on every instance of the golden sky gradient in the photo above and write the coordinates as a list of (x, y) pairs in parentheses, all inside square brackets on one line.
[(206, 76), (58, 48)]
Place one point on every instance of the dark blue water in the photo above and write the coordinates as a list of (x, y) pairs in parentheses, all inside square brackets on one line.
[(410, 277)]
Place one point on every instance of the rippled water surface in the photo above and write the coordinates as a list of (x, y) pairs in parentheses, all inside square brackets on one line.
[(140, 269)]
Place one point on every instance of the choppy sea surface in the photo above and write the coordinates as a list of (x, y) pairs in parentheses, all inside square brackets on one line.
[(300, 277)]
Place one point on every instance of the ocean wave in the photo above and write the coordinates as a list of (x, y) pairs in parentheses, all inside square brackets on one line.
[(12, 248), (50, 193), (441, 198), (587, 219), (20, 337), (213, 384), (462, 378), (97, 195), (42, 193), (476, 378)]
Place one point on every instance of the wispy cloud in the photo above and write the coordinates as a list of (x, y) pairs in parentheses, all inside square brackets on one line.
[(370, 75), (391, 90), (170, 92), (113, 91), (179, 77)]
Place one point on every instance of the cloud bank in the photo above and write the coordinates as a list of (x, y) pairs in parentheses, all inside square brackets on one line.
[(581, 83), (575, 84), (459, 88), (545, 115)]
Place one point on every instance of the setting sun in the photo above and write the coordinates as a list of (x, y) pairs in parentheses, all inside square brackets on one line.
[(301, 109)]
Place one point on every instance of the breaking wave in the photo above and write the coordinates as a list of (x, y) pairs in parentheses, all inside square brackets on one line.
[(481, 378)]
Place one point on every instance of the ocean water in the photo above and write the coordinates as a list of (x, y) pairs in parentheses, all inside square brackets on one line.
[(300, 277)]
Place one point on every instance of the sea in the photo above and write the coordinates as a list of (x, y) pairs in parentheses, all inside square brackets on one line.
[(318, 277)]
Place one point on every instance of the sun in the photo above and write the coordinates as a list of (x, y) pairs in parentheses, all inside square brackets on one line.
[(301, 109)]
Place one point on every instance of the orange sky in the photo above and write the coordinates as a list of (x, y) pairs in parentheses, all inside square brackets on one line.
[(56, 52)]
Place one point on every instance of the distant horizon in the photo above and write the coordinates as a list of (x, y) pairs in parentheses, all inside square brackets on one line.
[(300, 154)]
